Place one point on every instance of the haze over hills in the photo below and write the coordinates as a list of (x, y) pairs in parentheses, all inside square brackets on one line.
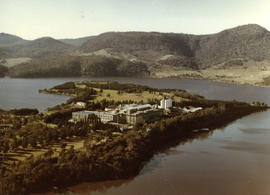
[(41, 47), (76, 42), (12, 46), (10, 40), (240, 54)]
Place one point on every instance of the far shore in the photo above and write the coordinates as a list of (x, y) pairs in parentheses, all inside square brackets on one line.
[(180, 77)]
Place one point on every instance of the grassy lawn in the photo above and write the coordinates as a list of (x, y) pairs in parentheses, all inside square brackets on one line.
[(109, 94)]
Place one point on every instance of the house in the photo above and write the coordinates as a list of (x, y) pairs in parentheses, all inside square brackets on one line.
[(81, 104)]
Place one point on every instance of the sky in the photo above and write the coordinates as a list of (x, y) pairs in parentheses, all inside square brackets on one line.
[(31, 19)]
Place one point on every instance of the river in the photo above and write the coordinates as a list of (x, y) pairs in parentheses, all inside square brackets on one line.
[(231, 160)]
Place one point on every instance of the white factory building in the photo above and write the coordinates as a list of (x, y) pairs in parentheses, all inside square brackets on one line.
[(129, 113), (165, 103)]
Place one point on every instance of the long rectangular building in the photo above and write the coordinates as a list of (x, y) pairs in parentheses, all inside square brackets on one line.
[(141, 116), (123, 114), (85, 116)]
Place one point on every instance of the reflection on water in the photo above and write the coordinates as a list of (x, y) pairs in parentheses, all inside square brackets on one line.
[(100, 187), (228, 161)]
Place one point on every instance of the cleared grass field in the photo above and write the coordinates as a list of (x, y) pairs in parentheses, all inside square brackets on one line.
[(138, 97), (116, 95)]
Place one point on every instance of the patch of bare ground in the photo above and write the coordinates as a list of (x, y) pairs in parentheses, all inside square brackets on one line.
[(249, 72), (9, 62)]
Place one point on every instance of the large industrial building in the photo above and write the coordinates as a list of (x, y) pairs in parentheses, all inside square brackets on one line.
[(130, 113), (139, 113), (86, 115)]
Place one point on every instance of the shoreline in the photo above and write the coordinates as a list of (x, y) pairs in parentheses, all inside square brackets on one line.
[(168, 139), (109, 156), (232, 82)]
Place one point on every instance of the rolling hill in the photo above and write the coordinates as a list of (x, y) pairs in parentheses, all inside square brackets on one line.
[(42, 47), (76, 42), (201, 51), (240, 54), (7, 40)]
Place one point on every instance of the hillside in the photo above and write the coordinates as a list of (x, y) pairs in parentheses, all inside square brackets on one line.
[(248, 41), (76, 42), (240, 54), (3, 70), (63, 66), (10, 40), (41, 47)]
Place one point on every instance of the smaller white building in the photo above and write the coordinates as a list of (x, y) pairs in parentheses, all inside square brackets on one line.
[(191, 109), (165, 103), (81, 104)]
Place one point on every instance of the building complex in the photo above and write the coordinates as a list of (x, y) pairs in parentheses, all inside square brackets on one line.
[(130, 113)]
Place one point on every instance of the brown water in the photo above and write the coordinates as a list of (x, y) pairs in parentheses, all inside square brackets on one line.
[(232, 160)]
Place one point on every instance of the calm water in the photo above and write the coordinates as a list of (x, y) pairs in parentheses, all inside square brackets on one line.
[(232, 160), (19, 93)]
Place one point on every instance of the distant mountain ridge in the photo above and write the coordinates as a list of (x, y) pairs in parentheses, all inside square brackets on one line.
[(41, 47), (10, 40), (76, 42), (240, 54), (248, 41), (13, 46)]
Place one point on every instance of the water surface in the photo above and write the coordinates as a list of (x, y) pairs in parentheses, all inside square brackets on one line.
[(226, 161), (20, 93)]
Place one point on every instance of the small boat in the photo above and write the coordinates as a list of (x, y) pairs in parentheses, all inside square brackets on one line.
[(196, 131), (204, 129), (200, 130)]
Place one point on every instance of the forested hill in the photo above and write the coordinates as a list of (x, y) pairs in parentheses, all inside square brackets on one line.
[(10, 40), (248, 42), (41, 47), (231, 55), (76, 42), (63, 66)]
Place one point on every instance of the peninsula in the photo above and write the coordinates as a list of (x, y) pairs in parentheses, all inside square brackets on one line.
[(105, 131)]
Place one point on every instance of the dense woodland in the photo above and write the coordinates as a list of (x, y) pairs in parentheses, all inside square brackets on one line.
[(3, 70), (137, 53), (107, 156), (63, 66)]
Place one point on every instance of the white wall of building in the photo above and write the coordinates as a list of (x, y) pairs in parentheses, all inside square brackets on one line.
[(165, 103), (168, 103)]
